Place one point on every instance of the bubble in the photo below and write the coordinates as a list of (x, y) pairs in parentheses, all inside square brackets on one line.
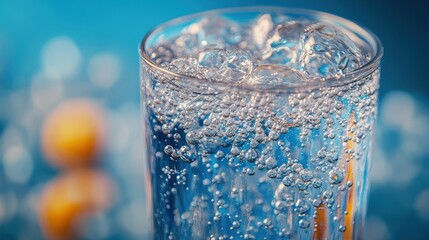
[(301, 206), (235, 151), (321, 153), (272, 173), (303, 223), (279, 205), (168, 150), (187, 155), (267, 222), (217, 217), (219, 154), (186, 66), (191, 138), (270, 163), (317, 202), (297, 167), (288, 180), (162, 54), (249, 236), (301, 184), (317, 183), (327, 194), (306, 175), (251, 155), (176, 137), (336, 176), (235, 224), (332, 157), (342, 228)]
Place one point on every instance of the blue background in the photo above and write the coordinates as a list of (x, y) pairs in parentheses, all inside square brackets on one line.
[(399, 199)]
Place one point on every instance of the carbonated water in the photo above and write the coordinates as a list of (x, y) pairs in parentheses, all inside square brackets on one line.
[(231, 158)]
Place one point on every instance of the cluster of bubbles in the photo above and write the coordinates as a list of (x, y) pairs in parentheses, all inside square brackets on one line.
[(258, 163)]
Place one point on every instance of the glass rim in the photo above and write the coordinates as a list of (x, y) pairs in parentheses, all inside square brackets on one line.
[(358, 74)]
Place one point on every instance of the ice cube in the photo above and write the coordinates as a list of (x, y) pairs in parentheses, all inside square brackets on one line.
[(185, 45), (270, 74), (211, 61), (284, 44), (216, 31), (261, 29), (328, 52), (212, 58), (238, 65)]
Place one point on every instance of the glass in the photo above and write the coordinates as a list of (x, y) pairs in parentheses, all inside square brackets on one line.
[(234, 161)]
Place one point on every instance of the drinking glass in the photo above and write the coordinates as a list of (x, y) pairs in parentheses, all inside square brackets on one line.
[(239, 161)]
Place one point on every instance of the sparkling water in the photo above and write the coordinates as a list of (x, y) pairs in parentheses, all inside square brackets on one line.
[(227, 162)]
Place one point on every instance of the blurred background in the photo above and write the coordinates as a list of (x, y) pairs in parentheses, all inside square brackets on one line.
[(66, 64)]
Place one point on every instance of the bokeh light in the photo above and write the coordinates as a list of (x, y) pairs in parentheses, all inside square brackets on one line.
[(104, 70), (421, 205), (17, 164), (61, 58)]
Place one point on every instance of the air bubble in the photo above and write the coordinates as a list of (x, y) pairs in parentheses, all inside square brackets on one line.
[(321, 153), (301, 206), (288, 180), (270, 163), (306, 175), (297, 167), (304, 223), (317, 183), (272, 173), (219, 154), (317, 202), (251, 155), (267, 222), (235, 224), (336, 176), (168, 150)]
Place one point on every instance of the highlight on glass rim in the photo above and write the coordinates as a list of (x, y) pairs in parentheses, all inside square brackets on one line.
[(194, 120), (258, 124)]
